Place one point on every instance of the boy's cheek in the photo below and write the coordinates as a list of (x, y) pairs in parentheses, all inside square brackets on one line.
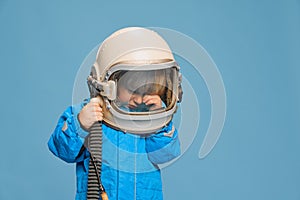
[(124, 96)]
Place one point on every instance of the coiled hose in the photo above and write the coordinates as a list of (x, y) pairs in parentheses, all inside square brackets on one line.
[(95, 187)]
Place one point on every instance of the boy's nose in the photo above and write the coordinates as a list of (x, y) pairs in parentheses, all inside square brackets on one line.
[(138, 99)]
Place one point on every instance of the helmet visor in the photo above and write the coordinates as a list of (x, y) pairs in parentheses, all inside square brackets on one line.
[(141, 91)]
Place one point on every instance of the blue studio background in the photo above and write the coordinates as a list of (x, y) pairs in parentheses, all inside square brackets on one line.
[(255, 45)]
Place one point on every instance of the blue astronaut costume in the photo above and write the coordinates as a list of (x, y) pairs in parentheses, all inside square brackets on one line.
[(124, 177)]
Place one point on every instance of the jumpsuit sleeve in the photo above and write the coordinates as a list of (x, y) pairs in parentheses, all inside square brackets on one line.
[(67, 144), (163, 146)]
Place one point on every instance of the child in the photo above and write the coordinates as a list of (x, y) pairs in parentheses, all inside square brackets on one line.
[(130, 161)]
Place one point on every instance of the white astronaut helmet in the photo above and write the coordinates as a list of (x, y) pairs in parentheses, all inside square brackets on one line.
[(138, 62)]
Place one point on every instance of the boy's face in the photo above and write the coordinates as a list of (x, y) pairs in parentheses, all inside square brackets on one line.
[(139, 103), (131, 99)]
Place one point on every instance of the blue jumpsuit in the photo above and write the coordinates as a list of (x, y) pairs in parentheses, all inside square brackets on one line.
[(129, 168)]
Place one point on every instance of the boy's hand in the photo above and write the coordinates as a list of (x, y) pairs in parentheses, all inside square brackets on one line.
[(153, 100), (90, 113)]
